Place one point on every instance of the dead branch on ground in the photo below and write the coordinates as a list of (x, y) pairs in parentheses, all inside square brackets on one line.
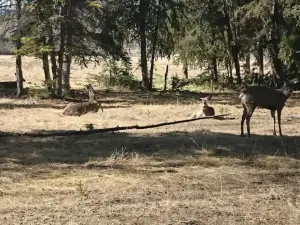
[(104, 130)]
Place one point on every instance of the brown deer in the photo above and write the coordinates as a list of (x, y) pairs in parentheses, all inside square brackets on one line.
[(205, 110), (267, 98), (79, 109)]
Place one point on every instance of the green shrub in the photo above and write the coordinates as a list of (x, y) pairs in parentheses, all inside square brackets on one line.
[(116, 74)]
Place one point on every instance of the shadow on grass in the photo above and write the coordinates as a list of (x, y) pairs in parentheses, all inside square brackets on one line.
[(182, 98), (28, 106), (153, 98), (84, 148), (10, 106)]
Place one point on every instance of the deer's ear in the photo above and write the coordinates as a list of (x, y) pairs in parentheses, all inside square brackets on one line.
[(89, 87), (295, 80)]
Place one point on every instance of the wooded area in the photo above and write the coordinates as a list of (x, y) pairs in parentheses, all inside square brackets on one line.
[(218, 35)]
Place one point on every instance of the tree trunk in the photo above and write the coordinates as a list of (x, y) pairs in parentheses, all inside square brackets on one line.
[(166, 77), (61, 52), (260, 58), (234, 49), (237, 66), (66, 75), (67, 57), (45, 55), (19, 76), (229, 67), (214, 66), (248, 64), (275, 40), (46, 69), (53, 68), (143, 8), (19, 72), (53, 59), (186, 70), (154, 41), (58, 81), (153, 57), (213, 63)]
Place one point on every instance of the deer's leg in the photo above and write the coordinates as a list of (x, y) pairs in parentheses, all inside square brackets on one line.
[(279, 121), (250, 111), (273, 116), (243, 121)]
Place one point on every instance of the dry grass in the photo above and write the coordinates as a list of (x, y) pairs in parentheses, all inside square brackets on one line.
[(194, 173), (33, 70)]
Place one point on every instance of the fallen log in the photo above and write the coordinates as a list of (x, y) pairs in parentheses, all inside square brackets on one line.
[(104, 130)]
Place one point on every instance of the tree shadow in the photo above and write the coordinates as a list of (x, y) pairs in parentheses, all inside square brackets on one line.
[(150, 98), (131, 98), (74, 150), (28, 106), (182, 97)]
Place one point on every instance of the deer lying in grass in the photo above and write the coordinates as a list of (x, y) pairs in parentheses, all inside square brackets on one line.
[(205, 110), (79, 109), (267, 98)]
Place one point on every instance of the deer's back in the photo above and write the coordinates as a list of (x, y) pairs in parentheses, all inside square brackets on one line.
[(208, 111), (264, 97)]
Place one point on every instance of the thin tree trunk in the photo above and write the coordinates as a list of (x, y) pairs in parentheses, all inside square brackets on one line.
[(143, 7), (53, 68), (230, 78), (67, 56), (237, 64), (214, 70), (53, 59), (46, 69), (19, 72), (186, 70), (260, 58), (248, 65), (154, 41), (213, 62), (153, 58), (45, 56), (61, 52), (66, 75), (58, 82), (275, 40), (166, 77), (234, 50), (19, 76), (227, 68)]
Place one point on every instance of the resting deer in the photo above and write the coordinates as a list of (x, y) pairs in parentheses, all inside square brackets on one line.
[(79, 109), (267, 98), (206, 110)]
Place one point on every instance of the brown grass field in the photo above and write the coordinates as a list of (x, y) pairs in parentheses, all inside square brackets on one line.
[(200, 172)]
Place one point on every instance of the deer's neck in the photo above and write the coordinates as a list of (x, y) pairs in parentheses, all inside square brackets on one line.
[(287, 93)]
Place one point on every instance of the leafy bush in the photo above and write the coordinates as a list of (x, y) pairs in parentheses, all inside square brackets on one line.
[(117, 74)]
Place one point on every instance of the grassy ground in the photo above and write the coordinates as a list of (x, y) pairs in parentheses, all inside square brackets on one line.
[(33, 71), (201, 172)]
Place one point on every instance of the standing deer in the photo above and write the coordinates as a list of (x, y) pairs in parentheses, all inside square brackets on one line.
[(267, 98)]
